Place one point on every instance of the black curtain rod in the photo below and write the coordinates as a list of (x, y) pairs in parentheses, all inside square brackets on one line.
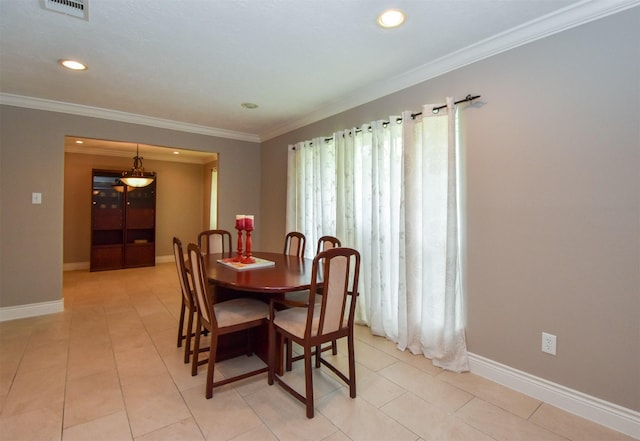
[(413, 115), (437, 109)]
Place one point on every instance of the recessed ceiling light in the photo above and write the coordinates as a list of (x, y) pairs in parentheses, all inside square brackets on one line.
[(391, 18), (176, 153), (249, 105), (79, 141), (73, 65)]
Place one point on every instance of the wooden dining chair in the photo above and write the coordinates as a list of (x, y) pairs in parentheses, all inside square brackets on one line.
[(324, 243), (328, 242), (215, 241), (294, 243), (188, 308), (239, 314), (312, 324)]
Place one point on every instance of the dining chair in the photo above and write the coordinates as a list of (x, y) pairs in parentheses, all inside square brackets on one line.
[(188, 309), (239, 314), (312, 324), (328, 242), (294, 244), (215, 241), (324, 243)]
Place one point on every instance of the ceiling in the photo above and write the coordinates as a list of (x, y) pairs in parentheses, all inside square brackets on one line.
[(88, 146), (189, 65)]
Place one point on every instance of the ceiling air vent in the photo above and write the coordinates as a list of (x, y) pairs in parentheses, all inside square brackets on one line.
[(75, 8)]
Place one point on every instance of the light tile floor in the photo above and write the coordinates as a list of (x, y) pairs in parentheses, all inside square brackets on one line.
[(107, 368)]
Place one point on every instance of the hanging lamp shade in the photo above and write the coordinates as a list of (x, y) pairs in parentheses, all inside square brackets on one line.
[(119, 186), (137, 177)]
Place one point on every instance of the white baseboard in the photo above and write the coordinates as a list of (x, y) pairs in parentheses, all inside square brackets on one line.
[(165, 259), (35, 309), (31, 310), (76, 266), (594, 409)]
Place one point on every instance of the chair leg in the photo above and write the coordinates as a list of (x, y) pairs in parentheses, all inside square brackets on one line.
[(352, 366), (181, 324), (271, 351), (250, 342), (289, 346), (318, 354), (187, 347), (211, 366), (196, 350), (334, 347), (308, 381)]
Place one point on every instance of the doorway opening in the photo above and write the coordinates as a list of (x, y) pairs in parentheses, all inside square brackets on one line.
[(187, 196)]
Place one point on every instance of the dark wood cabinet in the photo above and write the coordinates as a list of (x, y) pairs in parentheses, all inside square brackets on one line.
[(123, 223)]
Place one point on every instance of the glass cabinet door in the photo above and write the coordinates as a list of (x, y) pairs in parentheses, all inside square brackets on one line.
[(141, 214), (107, 221), (140, 226)]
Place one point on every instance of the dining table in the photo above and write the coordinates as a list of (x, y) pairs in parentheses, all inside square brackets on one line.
[(274, 276), (288, 273)]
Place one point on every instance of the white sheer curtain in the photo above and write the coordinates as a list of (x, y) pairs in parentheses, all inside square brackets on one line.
[(371, 218), (434, 321), (389, 190), (311, 191)]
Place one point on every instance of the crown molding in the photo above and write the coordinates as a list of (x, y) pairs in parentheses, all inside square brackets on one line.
[(545, 26), (114, 115)]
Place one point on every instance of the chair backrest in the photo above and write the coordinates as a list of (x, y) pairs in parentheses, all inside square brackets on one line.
[(339, 271), (294, 244), (215, 241), (185, 286), (328, 242), (200, 283)]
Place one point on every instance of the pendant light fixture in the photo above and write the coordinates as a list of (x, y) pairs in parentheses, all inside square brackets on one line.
[(137, 177), (119, 186)]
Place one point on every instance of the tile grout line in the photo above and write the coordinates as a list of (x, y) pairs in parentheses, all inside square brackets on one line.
[(153, 342), (115, 363)]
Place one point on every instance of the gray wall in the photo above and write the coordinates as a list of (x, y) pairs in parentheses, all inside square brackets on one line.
[(32, 160), (552, 202)]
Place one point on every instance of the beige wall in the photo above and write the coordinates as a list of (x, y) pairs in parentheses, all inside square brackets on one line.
[(206, 179), (32, 160), (552, 202), (179, 204)]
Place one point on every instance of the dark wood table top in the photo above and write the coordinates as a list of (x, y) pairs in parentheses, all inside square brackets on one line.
[(290, 273)]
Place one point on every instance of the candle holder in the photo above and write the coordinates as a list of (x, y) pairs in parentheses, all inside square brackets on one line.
[(248, 227), (239, 227)]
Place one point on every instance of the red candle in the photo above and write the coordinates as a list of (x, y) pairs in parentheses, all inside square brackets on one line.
[(240, 222), (248, 222)]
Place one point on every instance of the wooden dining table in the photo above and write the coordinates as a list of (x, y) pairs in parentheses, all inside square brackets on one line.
[(288, 274)]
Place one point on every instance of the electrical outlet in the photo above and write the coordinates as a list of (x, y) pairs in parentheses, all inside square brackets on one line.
[(549, 343)]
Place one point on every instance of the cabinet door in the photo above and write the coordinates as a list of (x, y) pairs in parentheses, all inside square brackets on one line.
[(107, 222), (141, 214), (140, 221), (107, 204)]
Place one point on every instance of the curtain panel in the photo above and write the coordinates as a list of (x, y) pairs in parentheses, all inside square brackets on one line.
[(389, 190)]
